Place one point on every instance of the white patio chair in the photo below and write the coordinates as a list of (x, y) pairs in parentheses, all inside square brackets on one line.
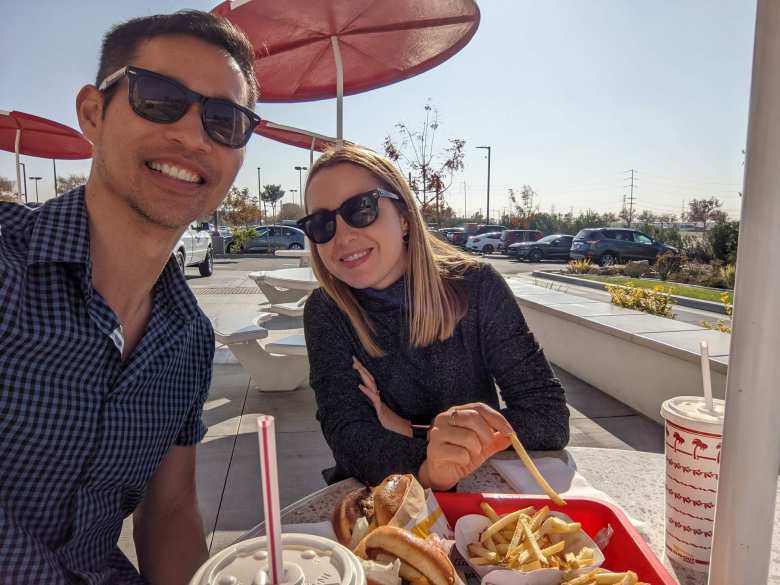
[(275, 294), (281, 366), (293, 309)]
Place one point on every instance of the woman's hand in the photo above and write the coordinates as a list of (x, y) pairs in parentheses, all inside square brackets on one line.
[(460, 440), (388, 419)]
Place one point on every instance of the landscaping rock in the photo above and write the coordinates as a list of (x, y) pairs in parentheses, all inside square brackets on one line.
[(637, 269)]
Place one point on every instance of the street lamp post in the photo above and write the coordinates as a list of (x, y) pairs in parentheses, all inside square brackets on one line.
[(24, 174), (36, 179), (300, 184), (488, 183), (260, 191), (293, 191)]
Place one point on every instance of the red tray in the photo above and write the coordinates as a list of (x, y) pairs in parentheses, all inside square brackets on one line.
[(626, 550)]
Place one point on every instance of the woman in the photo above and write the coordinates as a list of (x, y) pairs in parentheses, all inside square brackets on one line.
[(407, 336)]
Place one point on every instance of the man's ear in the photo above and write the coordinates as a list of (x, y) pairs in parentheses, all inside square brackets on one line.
[(89, 108)]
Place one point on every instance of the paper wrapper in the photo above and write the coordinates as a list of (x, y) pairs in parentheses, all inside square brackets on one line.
[(468, 529), (428, 518)]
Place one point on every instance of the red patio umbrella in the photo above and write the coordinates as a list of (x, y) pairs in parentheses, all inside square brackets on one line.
[(30, 135), (307, 50), (295, 136)]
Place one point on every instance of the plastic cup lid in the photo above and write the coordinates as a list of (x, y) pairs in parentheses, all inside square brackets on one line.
[(307, 559), (694, 409)]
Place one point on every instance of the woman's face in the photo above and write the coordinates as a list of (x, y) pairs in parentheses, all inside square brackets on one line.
[(369, 257)]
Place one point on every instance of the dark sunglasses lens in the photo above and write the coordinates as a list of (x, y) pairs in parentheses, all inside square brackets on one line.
[(360, 211), (226, 124), (157, 100), (321, 227)]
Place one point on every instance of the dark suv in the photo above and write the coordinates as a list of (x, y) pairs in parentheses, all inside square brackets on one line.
[(607, 246)]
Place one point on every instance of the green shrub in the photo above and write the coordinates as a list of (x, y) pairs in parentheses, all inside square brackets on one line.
[(729, 274), (668, 263), (697, 249), (656, 302), (722, 239), (580, 266), (241, 236)]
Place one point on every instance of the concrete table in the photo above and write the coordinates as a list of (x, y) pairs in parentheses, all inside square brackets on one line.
[(633, 478), (304, 256), (293, 278)]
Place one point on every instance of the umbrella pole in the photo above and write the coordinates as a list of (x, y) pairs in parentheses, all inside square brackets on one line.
[(18, 172), (748, 480), (334, 41), (54, 162)]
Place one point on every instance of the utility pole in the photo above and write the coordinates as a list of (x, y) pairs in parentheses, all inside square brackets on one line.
[(260, 194), (488, 148), (631, 199), (465, 214), (300, 184)]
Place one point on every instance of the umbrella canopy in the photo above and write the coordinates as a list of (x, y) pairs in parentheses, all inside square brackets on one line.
[(41, 137), (23, 133), (295, 136), (308, 50)]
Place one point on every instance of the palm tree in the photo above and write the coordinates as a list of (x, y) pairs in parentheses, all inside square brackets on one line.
[(698, 444), (677, 440)]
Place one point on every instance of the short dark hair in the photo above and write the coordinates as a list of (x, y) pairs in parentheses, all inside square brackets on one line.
[(121, 42)]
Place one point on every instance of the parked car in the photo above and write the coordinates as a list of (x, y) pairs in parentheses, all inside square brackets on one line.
[(555, 247), (488, 228), (457, 237), (509, 237), (271, 238), (607, 246), (484, 243), (194, 248)]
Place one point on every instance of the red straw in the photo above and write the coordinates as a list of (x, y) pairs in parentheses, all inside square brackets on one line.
[(270, 481)]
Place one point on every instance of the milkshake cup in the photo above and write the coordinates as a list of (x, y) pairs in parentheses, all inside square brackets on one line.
[(693, 440), (307, 560)]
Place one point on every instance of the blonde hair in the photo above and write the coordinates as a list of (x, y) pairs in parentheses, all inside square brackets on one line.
[(433, 302)]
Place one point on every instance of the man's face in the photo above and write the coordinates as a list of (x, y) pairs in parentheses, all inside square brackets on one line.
[(170, 174)]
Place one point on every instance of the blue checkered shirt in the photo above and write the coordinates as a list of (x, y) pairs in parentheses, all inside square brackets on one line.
[(81, 431)]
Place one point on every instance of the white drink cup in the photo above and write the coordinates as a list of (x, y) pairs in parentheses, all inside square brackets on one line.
[(693, 439), (307, 559)]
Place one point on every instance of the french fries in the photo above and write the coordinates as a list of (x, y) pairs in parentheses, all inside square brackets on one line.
[(604, 577), (531, 540), (528, 462)]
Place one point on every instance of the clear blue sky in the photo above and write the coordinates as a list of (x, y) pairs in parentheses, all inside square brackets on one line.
[(570, 94)]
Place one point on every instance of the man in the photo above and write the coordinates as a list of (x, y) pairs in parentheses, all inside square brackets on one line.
[(105, 357)]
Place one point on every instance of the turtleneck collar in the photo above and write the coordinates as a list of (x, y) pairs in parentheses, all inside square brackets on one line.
[(392, 296)]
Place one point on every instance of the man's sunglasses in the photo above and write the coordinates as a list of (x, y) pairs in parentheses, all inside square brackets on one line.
[(359, 211), (164, 100)]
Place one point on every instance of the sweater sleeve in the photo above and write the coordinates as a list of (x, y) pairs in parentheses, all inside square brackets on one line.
[(535, 402), (360, 444)]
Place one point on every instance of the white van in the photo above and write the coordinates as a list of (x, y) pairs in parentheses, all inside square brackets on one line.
[(195, 249)]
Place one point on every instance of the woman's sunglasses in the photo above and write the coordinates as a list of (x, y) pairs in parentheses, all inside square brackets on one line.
[(359, 211), (164, 100)]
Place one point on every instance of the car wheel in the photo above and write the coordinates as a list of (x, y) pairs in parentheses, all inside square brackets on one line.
[(180, 260), (296, 246), (487, 249), (608, 259), (206, 267), (535, 256)]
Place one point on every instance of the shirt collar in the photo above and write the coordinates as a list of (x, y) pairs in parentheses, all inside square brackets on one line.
[(176, 290), (61, 232)]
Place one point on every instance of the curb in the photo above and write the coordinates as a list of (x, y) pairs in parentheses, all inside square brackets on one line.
[(239, 256), (678, 300)]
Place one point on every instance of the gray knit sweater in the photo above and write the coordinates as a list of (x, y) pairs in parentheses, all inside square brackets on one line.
[(491, 343)]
